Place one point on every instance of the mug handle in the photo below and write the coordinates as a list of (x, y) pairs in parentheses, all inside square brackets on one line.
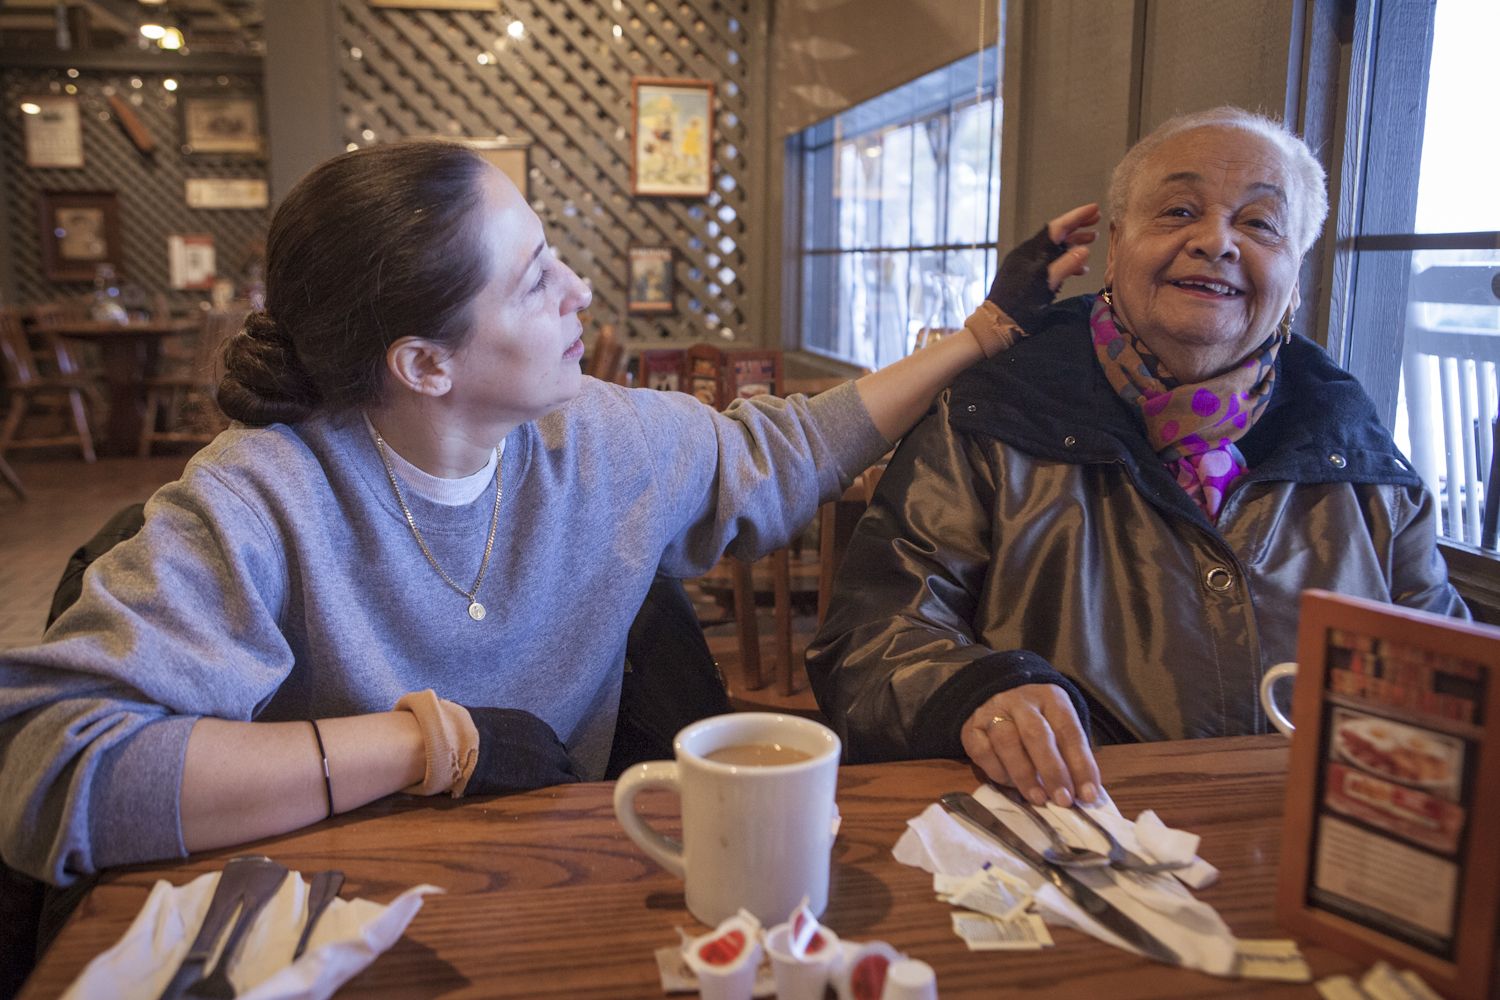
[(654, 774), (1267, 682)]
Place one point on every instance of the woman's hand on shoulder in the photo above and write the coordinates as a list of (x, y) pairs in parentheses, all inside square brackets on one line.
[(1030, 275), (1029, 737)]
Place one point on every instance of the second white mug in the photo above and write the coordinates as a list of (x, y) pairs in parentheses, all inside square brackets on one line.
[(1267, 702), (757, 836)]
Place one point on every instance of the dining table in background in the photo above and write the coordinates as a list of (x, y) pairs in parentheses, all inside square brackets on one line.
[(129, 352), (547, 897)]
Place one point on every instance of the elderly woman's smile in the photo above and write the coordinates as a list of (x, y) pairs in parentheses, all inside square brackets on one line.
[(1204, 263)]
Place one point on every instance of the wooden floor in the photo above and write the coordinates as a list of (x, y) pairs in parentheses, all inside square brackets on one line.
[(71, 499)]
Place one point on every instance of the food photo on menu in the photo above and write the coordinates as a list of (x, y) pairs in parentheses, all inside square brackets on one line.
[(1401, 739)]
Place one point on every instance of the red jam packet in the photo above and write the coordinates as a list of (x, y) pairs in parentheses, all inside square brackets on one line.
[(726, 949)]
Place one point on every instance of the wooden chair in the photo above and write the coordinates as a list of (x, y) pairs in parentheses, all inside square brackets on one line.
[(193, 393), (32, 389), (606, 362), (11, 479)]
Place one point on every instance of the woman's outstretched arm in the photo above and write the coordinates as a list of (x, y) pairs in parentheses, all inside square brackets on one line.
[(245, 780), (899, 394)]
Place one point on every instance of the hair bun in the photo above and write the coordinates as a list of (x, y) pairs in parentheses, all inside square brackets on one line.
[(264, 380)]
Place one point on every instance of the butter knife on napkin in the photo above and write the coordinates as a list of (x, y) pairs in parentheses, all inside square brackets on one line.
[(234, 882), (966, 807)]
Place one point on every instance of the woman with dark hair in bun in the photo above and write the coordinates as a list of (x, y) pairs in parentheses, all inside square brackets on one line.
[(422, 504)]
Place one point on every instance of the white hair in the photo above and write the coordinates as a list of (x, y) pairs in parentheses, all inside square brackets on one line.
[(1308, 198)]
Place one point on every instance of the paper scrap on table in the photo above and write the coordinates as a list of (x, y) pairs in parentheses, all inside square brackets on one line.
[(937, 842), (1274, 959), (1024, 932), (347, 938), (1385, 983), (990, 891), (678, 977)]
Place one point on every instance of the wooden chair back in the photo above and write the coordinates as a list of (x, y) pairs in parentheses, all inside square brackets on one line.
[(20, 361), (48, 319), (704, 374), (607, 360), (752, 373)]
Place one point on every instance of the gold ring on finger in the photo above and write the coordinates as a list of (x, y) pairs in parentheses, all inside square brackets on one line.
[(996, 721)]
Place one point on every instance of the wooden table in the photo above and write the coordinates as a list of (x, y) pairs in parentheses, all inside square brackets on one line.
[(129, 352), (548, 898)]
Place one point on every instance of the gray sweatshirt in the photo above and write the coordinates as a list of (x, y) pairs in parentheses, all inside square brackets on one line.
[(278, 580)]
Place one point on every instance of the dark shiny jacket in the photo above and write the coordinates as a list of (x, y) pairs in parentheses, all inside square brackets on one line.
[(1026, 525)]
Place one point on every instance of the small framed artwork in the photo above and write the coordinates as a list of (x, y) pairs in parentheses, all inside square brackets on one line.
[(512, 156), (191, 263), (651, 289), (662, 370), (222, 192), (704, 368), (1393, 791), (753, 373), (54, 133), (79, 231), (480, 5), (674, 137), (222, 122)]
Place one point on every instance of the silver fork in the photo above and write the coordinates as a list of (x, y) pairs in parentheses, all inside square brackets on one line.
[(1126, 860), (1061, 852)]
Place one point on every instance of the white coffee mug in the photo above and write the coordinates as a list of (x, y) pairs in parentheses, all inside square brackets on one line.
[(1267, 682), (760, 837)]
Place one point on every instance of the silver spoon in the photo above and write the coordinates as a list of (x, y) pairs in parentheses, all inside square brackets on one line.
[(1125, 860), (1061, 852)]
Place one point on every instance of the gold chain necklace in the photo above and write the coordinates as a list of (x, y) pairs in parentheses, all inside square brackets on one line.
[(476, 610)]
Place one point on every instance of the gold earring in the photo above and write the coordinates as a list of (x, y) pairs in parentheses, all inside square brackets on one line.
[(1108, 295), (1285, 332)]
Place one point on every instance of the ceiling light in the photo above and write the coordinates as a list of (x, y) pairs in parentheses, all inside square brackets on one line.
[(153, 31), (31, 109), (169, 83), (172, 39), (516, 29)]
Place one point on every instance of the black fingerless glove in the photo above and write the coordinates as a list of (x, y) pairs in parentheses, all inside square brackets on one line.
[(517, 752), (1021, 289)]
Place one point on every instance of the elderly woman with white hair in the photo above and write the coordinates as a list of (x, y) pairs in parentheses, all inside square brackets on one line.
[(1102, 532)]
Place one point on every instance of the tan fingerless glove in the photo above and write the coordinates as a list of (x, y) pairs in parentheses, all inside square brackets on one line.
[(994, 330), (451, 742)]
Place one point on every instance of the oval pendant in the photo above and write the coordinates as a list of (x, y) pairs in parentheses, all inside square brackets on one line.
[(476, 611)]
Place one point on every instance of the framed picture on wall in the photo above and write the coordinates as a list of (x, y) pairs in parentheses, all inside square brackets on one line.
[(673, 142), (191, 261), (54, 134), (651, 288), (79, 232), (222, 122), (512, 156)]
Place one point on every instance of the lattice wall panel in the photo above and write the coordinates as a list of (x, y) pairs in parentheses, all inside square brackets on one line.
[(562, 79), (150, 187)]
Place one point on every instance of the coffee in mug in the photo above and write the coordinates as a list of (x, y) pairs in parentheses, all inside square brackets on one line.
[(757, 828), (757, 755)]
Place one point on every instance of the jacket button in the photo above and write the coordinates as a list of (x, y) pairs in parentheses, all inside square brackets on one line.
[(1337, 461), (1218, 579), (972, 407), (1069, 441)]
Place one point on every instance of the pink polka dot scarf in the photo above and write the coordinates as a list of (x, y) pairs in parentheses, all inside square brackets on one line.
[(1192, 428)]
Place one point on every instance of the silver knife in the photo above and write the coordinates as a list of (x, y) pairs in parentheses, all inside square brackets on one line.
[(227, 896), (967, 807)]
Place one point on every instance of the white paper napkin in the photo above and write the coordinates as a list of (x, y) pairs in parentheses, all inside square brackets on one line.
[(938, 843), (346, 939)]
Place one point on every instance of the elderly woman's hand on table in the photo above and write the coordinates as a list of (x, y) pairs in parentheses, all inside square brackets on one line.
[(1030, 737)]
